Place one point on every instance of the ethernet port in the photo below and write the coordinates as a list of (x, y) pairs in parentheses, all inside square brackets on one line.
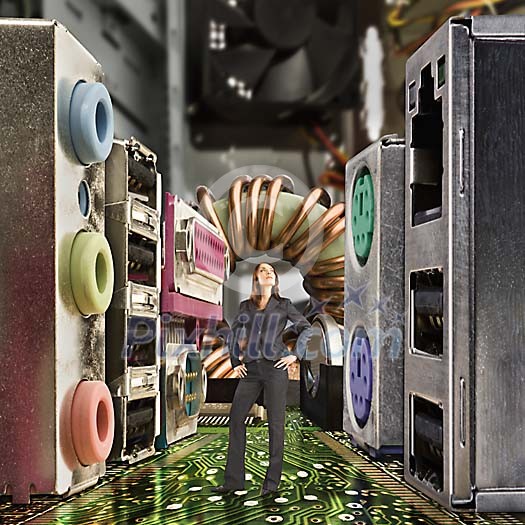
[(426, 153), (426, 442), (426, 312)]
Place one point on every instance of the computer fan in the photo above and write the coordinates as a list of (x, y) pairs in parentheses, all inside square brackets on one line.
[(269, 60)]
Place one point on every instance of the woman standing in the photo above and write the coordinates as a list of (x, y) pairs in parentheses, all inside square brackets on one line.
[(258, 327)]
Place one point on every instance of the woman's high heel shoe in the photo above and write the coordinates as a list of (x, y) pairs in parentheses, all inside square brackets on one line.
[(221, 489)]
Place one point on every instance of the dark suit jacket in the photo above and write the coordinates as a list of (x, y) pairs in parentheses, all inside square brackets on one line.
[(259, 332)]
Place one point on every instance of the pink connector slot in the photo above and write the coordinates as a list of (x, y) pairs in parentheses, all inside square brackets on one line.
[(171, 301), (208, 251)]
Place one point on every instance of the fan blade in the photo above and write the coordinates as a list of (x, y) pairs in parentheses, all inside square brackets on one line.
[(223, 13), (338, 14), (246, 63), (287, 81), (326, 48), (285, 25), (346, 22)]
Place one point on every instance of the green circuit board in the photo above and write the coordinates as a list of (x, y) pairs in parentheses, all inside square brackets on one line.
[(325, 480)]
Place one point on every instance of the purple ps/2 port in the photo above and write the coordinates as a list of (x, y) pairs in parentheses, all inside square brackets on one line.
[(361, 376)]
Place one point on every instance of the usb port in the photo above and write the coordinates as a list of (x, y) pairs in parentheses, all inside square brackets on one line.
[(426, 442), (142, 179), (144, 221), (141, 260), (140, 425), (143, 382), (141, 340), (426, 304), (143, 300)]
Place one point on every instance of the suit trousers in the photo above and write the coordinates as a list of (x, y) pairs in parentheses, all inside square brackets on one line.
[(262, 374)]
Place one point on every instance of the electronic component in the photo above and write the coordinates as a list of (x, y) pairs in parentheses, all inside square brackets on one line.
[(257, 62), (374, 309), (321, 389), (195, 266), (195, 263), (184, 383), (464, 252), (133, 201), (56, 422), (262, 215)]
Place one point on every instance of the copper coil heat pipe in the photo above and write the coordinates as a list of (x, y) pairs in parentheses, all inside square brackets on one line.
[(249, 221), (216, 362), (249, 228)]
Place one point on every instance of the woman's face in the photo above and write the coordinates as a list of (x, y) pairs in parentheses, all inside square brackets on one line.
[(266, 275)]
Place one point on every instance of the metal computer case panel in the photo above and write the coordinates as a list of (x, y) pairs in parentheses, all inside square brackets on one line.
[(374, 294), (468, 381), (48, 345)]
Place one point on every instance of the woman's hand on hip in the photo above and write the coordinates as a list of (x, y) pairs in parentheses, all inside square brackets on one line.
[(241, 370), (285, 362)]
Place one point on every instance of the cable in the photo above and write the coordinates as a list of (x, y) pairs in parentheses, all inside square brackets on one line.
[(336, 153), (308, 171), (397, 22), (332, 178)]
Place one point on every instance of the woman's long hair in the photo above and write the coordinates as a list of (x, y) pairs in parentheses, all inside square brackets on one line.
[(256, 296)]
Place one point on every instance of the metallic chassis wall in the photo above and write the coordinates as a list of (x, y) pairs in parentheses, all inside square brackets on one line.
[(480, 452), (380, 306), (49, 346)]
